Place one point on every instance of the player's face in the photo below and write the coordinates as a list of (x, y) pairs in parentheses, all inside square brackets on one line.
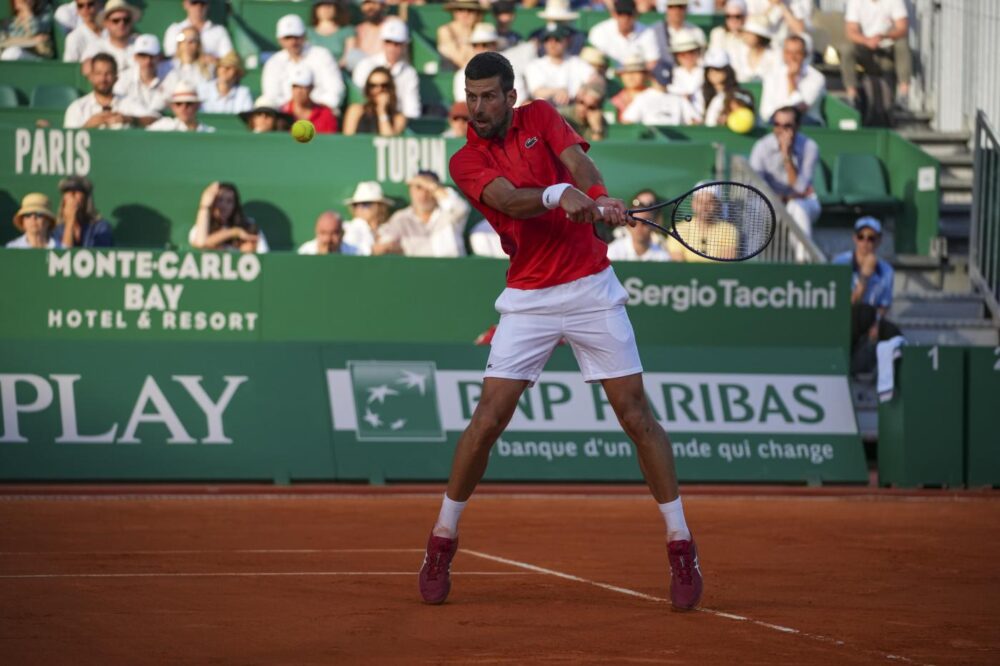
[(490, 108)]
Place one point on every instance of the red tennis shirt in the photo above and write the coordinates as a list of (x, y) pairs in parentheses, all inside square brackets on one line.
[(548, 249)]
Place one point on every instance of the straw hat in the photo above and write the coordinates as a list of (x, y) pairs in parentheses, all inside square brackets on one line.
[(757, 25), (684, 42), (35, 202), (464, 4), (263, 105), (484, 33), (633, 63), (368, 191), (185, 92), (593, 57), (114, 6), (558, 10)]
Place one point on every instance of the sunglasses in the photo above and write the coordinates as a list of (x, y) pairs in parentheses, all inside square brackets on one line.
[(85, 5), (625, 13), (382, 85), (868, 238), (184, 103), (364, 204), (120, 20), (784, 125), (735, 16)]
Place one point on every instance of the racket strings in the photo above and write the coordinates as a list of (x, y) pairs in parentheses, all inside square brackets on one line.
[(724, 221)]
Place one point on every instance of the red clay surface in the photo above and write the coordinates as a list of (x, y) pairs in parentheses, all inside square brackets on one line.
[(331, 579)]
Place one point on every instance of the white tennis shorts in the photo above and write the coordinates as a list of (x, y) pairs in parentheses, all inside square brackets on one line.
[(589, 313)]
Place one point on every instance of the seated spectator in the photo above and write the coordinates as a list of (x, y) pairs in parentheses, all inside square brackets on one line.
[(871, 294), (485, 38), (877, 41), (25, 34), (86, 33), (688, 76), (67, 16), (783, 17), (485, 241), (379, 113), (143, 83), (729, 36), (757, 60), (503, 18), (653, 106), (221, 224), (224, 94), (370, 210), (301, 106), (556, 76), (453, 37), (786, 160), (80, 225), (597, 60), (622, 36), (34, 219), (431, 226), (586, 113), (794, 83), (265, 118), (276, 82), (717, 92), (458, 121), (368, 33), (184, 103), (189, 64), (119, 19), (634, 75), (214, 39), (704, 230), (330, 28), (395, 39), (700, 7), (329, 236), (557, 14), (638, 246), (102, 108), (666, 32)]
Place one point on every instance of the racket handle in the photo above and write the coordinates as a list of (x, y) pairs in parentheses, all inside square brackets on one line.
[(600, 209)]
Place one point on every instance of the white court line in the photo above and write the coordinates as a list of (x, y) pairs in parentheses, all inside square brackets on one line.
[(258, 551), (252, 574), (710, 611)]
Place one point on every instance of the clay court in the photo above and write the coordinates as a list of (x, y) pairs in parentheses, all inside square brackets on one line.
[(557, 575)]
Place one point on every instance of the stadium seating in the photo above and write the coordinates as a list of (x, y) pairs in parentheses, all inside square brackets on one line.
[(859, 182), (53, 96), (8, 97)]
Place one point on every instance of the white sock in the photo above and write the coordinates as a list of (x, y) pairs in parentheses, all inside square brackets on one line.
[(673, 516), (451, 511)]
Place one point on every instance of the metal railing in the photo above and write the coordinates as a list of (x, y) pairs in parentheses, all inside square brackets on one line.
[(984, 235), (790, 244)]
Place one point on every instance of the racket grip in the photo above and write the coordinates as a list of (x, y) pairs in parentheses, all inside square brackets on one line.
[(600, 209)]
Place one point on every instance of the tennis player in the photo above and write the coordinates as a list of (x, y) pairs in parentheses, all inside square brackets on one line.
[(528, 173)]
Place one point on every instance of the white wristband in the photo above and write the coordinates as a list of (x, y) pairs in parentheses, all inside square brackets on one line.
[(553, 193)]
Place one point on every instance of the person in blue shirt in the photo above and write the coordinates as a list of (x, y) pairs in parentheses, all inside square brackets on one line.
[(79, 223)]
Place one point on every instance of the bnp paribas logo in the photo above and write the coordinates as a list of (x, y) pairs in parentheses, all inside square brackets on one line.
[(396, 401)]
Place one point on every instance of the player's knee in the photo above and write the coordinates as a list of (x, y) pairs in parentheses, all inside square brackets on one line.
[(636, 419), (488, 424)]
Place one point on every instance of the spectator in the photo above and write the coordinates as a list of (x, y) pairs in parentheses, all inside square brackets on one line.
[(458, 121), (688, 75), (329, 236), (674, 25), (189, 63), (639, 245), (264, 118), (67, 16), (119, 19), (783, 17), (143, 83), (86, 33), (877, 40), (729, 36), (370, 210), (224, 94), (787, 160), (301, 106), (556, 76), (705, 229), (503, 17), (586, 113), (485, 38), (34, 220), (635, 78), (702, 7), (431, 226), (184, 102), (25, 34), (621, 36), (485, 241), (757, 60), (80, 225), (557, 13), (102, 108), (717, 92), (214, 39), (395, 38), (794, 83), (379, 114), (330, 28), (653, 106), (368, 32), (453, 37), (597, 60), (221, 224), (295, 52)]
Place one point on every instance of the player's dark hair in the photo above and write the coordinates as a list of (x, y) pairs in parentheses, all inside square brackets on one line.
[(108, 58), (789, 109), (488, 64)]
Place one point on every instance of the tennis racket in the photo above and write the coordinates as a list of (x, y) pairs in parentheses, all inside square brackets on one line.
[(720, 220)]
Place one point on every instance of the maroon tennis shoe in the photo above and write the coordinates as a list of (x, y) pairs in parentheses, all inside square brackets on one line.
[(435, 574), (685, 574)]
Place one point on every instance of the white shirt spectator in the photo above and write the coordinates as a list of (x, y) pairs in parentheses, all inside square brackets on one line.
[(276, 78), (655, 107), (606, 37), (624, 250), (439, 236), (84, 108), (687, 82), (664, 35), (153, 96), (309, 247), (214, 39), (485, 241), (724, 40), (358, 234), (175, 125), (403, 75), (190, 72), (809, 90), (124, 57), (567, 75), (747, 71), (694, 6), (715, 109), (875, 17), (262, 246), (67, 17), (801, 9), (21, 243), (78, 41), (237, 100)]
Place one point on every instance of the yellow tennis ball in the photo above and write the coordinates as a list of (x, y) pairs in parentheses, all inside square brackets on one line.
[(741, 120), (303, 131)]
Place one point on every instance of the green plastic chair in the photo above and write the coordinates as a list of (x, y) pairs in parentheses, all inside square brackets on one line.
[(821, 183), (859, 181), (8, 97), (53, 96)]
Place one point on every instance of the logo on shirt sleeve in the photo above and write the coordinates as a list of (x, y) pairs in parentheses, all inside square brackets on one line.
[(530, 142)]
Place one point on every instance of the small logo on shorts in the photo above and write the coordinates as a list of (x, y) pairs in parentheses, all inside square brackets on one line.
[(530, 142)]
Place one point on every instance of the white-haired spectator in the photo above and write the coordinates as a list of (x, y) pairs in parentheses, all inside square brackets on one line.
[(556, 76), (793, 83), (622, 36), (184, 103), (431, 226), (784, 17), (395, 40), (225, 94), (729, 36), (215, 41), (144, 82), (276, 78), (688, 75), (757, 60), (102, 108), (119, 19), (87, 31), (485, 38), (189, 63), (328, 236), (673, 25), (877, 41), (370, 210)]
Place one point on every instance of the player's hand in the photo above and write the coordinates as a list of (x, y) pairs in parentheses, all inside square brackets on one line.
[(579, 207), (614, 211)]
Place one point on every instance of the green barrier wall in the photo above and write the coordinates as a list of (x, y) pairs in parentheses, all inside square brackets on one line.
[(983, 443)]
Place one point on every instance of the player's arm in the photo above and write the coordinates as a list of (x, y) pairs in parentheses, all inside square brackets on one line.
[(584, 206), (526, 202)]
